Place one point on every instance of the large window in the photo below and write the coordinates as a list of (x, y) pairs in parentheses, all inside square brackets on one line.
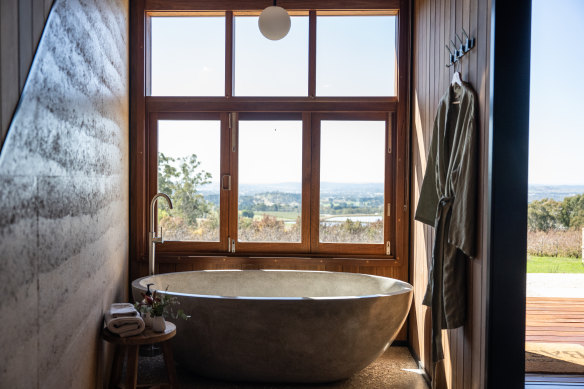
[(273, 146)]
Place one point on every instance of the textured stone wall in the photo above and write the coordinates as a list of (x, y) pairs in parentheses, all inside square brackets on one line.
[(64, 200)]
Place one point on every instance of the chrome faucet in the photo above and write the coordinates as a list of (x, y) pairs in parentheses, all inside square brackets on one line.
[(152, 238)]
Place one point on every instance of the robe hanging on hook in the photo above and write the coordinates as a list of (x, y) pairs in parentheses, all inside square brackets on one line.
[(274, 22)]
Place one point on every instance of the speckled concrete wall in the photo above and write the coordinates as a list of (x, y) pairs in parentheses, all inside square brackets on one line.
[(64, 200)]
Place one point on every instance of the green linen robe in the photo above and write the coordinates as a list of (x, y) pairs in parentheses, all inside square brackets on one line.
[(448, 203)]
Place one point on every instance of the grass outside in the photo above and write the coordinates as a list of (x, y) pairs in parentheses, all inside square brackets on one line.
[(554, 265), (280, 215), (326, 216)]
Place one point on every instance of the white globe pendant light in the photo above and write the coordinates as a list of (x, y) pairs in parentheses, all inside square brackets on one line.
[(274, 22)]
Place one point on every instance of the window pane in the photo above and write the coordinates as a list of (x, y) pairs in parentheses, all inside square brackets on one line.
[(352, 162), (270, 181), (355, 56), (188, 56), (188, 171), (271, 68)]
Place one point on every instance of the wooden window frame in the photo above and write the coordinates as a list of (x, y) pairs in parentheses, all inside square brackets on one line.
[(388, 236), (146, 110), (274, 247), (225, 167)]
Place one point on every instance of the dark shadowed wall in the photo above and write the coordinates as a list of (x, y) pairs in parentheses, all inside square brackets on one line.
[(21, 23), (435, 23), (64, 199)]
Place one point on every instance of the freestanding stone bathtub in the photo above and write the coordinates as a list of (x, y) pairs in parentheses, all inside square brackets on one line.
[(282, 326)]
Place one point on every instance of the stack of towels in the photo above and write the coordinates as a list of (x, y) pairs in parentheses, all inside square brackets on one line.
[(123, 319)]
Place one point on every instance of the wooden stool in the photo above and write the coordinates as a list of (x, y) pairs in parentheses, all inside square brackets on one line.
[(130, 346)]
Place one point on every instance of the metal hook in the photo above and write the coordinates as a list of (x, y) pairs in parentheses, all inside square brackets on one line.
[(459, 39), (470, 42), (463, 48), (451, 57), (459, 52)]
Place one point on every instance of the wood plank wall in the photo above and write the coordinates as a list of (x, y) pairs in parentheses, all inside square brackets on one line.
[(385, 268), (21, 25), (435, 22)]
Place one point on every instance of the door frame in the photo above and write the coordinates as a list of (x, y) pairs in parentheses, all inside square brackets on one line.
[(507, 193)]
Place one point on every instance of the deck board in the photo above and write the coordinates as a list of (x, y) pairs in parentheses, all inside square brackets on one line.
[(555, 320), (546, 381)]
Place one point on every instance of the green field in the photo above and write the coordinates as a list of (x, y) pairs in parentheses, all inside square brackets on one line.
[(554, 265), (281, 215)]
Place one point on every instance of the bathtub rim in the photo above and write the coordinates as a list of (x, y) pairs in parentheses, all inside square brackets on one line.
[(406, 287)]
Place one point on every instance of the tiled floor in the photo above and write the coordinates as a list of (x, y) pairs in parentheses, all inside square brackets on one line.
[(394, 369)]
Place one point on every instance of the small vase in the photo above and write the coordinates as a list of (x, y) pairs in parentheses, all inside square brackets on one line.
[(147, 319), (158, 324)]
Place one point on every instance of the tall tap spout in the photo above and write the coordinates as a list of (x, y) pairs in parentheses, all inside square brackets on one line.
[(153, 208), (152, 238)]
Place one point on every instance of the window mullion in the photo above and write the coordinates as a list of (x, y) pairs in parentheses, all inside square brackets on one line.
[(306, 180), (314, 182), (229, 53), (312, 53), (389, 202), (232, 152)]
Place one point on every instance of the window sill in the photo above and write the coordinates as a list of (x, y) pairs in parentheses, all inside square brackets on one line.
[(280, 259)]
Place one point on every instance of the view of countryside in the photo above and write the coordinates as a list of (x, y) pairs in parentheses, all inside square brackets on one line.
[(555, 223), (349, 212), (270, 174), (556, 136)]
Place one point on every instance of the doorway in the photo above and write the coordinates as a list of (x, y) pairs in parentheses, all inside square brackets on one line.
[(555, 268)]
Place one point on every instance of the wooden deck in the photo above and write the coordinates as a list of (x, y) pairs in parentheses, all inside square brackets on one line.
[(538, 381), (555, 320)]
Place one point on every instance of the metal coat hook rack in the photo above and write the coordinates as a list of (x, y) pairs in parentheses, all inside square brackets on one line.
[(461, 50)]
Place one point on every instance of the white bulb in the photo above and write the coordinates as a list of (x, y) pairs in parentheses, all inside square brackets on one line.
[(274, 23)]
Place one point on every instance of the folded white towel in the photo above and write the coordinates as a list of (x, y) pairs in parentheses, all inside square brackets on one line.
[(122, 309), (124, 326)]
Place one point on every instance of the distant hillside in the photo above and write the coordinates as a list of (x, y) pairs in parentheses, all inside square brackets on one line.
[(556, 192), (535, 192), (296, 187)]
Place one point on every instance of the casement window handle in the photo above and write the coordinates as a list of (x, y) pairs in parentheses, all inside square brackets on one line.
[(226, 182)]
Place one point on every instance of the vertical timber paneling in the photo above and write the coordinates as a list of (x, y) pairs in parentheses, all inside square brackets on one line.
[(21, 26), (435, 23)]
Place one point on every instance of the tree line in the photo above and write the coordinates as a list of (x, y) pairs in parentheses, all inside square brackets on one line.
[(549, 214), (195, 218)]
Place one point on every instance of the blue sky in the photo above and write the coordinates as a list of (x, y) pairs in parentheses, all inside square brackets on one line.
[(556, 132)]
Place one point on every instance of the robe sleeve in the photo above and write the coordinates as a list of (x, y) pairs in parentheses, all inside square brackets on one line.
[(428, 201), (462, 232)]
